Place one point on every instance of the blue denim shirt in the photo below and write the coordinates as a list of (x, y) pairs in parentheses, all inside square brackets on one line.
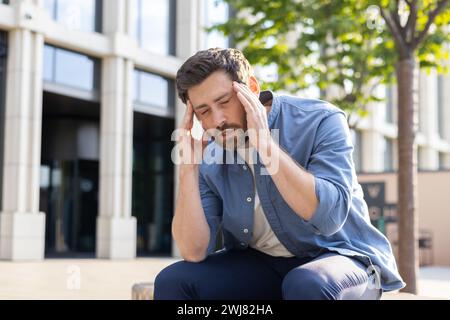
[(316, 135)]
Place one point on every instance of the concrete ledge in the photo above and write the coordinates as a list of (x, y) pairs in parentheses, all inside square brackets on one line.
[(142, 291), (406, 296)]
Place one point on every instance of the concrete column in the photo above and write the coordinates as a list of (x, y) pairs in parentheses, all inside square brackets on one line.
[(187, 28), (429, 156), (373, 140), (116, 228), (446, 100), (446, 112), (372, 151), (22, 226), (114, 16)]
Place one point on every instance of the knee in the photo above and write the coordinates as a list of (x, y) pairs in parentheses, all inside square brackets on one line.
[(172, 282), (165, 278), (305, 284)]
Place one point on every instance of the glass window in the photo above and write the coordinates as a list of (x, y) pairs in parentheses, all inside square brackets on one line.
[(152, 183), (74, 69), (83, 15), (153, 90), (49, 58), (216, 11), (70, 69), (390, 104), (388, 155), (50, 6), (154, 25)]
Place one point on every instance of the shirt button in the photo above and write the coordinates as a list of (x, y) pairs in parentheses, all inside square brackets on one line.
[(249, 199), (244, 167), (243, 244), (245, 230)]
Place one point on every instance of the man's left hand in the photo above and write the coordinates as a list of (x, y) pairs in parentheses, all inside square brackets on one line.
[(257, 124)]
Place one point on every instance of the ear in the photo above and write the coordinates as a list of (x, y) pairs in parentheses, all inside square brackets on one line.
[(254, 85)]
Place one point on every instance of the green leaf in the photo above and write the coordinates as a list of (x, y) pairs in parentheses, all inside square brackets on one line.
[(345, 44)]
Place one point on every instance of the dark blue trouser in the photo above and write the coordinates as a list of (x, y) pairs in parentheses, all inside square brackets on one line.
[(250, 274)]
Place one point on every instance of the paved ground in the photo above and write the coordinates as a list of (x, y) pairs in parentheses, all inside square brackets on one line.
[(435, 282), (76, 279), (103, 279)]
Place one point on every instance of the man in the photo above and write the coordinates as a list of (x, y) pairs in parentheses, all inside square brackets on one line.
[(293, 218)]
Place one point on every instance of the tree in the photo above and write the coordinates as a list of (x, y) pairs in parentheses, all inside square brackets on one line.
[(352, 45)]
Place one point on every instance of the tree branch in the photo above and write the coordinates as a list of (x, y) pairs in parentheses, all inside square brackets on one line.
[(433, 14), (410, 27), (396, 18), (403, 47)]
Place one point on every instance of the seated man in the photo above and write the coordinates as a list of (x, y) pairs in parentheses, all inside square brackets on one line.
[(291, 212)]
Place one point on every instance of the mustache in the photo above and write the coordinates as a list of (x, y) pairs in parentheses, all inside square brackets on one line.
[(228, 126), (219, 130)]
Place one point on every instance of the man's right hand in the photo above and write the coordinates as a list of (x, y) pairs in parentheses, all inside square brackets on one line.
[(191, 149), (189, 226)]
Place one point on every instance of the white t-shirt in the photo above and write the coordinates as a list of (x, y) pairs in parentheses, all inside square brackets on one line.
[(263, 237)]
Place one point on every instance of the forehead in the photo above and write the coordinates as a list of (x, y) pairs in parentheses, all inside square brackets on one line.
[(217, 84)]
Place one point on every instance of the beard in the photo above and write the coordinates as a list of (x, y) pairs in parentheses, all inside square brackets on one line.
[(232, 139)]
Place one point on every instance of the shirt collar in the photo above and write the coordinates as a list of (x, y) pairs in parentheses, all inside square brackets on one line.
[(265, 96)]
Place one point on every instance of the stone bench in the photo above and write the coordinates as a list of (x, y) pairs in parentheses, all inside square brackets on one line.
[(405, 296), (142, 291)]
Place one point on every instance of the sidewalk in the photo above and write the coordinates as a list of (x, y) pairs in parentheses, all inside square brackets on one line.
[(58, 278), (95, 279)]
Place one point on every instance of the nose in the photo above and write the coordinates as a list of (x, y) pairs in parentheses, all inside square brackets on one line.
[(218, 118)]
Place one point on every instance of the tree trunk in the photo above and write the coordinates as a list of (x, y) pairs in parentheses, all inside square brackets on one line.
[(407, 176)]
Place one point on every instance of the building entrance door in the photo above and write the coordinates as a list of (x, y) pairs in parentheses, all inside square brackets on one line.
[(69, 197), (69, 179)]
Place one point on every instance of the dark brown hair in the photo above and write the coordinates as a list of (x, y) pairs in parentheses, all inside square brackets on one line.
[(198, 67)]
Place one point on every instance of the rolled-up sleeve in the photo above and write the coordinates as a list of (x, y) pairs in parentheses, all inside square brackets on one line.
[(212, 207), (332, 166)]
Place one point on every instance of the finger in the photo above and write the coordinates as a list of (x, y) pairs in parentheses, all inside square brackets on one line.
[(247, 105), (250, 96), (188, 119), (205, 139), (243, 88), (184, 136)]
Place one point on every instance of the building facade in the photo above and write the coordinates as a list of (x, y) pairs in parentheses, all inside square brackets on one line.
[(375, 137), (87, 108)]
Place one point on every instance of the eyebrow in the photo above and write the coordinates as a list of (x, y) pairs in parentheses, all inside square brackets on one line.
[(215, 100)]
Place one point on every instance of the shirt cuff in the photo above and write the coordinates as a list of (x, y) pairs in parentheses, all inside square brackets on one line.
[(327, 196)]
